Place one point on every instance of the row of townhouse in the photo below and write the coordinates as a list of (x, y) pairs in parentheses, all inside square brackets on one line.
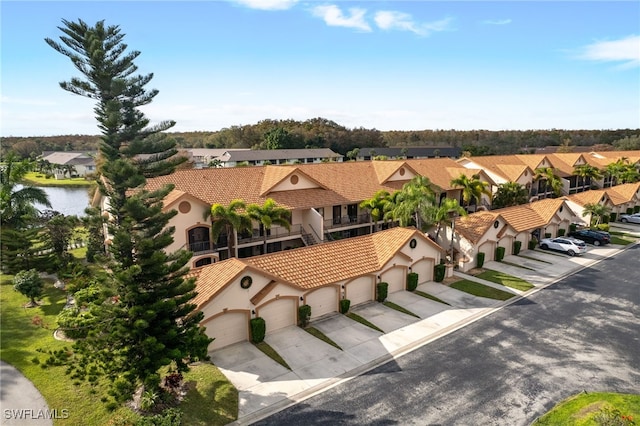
[(324, 203)]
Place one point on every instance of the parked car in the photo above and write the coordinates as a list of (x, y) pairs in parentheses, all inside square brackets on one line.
[(591, 236), (571, 246), (630, 218)]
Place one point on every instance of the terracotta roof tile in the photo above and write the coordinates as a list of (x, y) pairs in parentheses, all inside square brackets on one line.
[(624, 193), (475, 225), (212, 278), (592, 196)]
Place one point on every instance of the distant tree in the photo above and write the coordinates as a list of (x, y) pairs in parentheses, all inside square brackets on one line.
[(353, 154), (616, 170), (509, 194), (267, 215), (565, 146), (588, 173), (30, 284), (628, 143), (230, 218)]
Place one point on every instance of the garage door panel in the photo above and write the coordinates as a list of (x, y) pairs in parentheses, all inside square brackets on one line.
[(278, 314), (487, 249), (228, 328), (360, 291), (424, 269), (395, 277), (322, 301)]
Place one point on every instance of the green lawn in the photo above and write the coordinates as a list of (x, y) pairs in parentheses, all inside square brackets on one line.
[(621, 240), (271, 353), (506, 280), (579, 410), (481, 290), (27, 335), (363, 321), (38, 179), (430, 296), (320, 335), (399, 308)]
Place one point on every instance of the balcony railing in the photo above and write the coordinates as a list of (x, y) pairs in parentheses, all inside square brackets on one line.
[(279, 232), (341, 222)]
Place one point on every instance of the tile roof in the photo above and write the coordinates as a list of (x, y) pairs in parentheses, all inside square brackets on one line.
[(530, 216), (278, 154), (565, 162), (441, 171), (624, 192), (475, 225), (313, 266), (592, 196)]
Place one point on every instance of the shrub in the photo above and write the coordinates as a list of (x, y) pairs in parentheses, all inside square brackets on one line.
[(561, 232), (169, 417), (480, 259), (29, 284), (500, 253), (636, 209), (344, 306), (607, 218), (382, 289), (258, 329), (412, 281), (629, 210), (438, 272), (573, 227), (612, 217), (612, 417), (304, 313), (76, 323), (547, 234), (603, 227), (517, 245), (533, 243)]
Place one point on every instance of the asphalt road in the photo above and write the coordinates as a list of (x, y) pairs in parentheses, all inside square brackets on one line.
[(580, 334)]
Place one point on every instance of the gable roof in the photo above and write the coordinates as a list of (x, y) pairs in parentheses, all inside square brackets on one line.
[(565, 162), (277, 154), (624, 193), (475, 225), (593, 196)]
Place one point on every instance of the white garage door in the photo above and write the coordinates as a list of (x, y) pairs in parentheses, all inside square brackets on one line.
[(278, 314), (424, 269), (323, 301), (360, 290), (396, 278), (227, 328)]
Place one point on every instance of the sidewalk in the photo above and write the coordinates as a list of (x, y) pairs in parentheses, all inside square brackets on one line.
[(265, 387), (20, 402)]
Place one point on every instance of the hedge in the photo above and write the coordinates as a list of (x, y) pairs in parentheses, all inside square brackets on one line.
[(629, 210), (344, 306), (636, 209), (603, 227), (258, 329), (517, 245), (573, 227), (304, 313), (561, 232), (382, 290), (547, 234), (533, 243), (438, 272), (612, 217), (479, 259), (412, 281), (500, 253)]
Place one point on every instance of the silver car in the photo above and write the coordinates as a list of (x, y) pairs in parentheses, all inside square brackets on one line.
[(571, 246), (630, 218)]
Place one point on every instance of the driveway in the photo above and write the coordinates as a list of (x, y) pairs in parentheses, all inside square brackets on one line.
[(580, 334), (21, 402)]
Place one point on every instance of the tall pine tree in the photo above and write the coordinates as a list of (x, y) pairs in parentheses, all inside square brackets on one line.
[(151, 323)]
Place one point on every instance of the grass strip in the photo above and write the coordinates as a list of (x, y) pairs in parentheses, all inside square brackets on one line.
[(38, 179), (505, 280), (481, 290), (320, 335), (399, 308), (363, 321), (581, 409), (211, 398), (516, 265), (620, 240), (271, 353), (533, 258), (429, 296)]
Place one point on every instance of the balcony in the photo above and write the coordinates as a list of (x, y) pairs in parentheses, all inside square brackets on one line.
[(273, 233), (344, 221)]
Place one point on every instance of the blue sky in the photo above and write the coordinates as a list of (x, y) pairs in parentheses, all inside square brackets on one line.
[(389, 65)]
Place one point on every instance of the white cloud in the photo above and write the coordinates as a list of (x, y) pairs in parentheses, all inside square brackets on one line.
[(334, 17), (267, 4), (625, 50), (497, 21), (393, 20)]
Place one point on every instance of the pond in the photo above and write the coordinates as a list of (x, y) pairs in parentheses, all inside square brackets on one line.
[(68, 201)]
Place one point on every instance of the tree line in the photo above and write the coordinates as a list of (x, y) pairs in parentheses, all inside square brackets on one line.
[(324, 133)]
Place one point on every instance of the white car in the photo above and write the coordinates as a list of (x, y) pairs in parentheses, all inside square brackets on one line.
[(571, 246), (633, 218)]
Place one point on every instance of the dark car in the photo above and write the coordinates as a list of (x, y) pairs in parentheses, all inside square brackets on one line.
[(590, 236)]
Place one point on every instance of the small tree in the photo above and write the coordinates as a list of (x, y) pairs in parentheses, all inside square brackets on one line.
[(30, 284)]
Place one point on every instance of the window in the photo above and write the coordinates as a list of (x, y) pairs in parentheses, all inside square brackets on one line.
[(202, 262)]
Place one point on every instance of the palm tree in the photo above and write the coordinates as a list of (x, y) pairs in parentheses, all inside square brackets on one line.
[(414, 202), (17, 205), (587, 172), (597, 211), (377, 206), (472, 188), (229, 219), (630, 174), (509, 194), (616, 170), (444, 213), (267, 215), (548, 174)]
